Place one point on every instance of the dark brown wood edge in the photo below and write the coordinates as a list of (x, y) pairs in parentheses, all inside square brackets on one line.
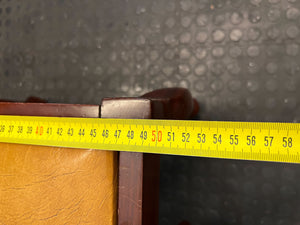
[(138, 201), (138, 173), (56, 110), (49, 109)]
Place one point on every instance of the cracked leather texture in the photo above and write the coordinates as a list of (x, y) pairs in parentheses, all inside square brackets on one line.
[(46, 185)]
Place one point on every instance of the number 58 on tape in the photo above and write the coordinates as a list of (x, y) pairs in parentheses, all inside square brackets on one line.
[(279, 142)]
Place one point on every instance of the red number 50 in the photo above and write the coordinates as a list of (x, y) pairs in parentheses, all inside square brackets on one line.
[(159, 135)]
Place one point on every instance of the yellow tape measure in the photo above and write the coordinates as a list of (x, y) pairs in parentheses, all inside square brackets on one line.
[(279, 142)]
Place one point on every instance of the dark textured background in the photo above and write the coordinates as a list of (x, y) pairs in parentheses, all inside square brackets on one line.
[(239, 58)]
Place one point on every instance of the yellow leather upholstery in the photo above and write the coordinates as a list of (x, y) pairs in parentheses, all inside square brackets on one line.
[(46, 185)]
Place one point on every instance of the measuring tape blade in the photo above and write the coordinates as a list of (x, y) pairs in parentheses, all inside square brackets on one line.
[(278, 142)]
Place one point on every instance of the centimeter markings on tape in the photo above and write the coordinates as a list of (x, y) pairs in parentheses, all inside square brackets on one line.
[(279, 142)]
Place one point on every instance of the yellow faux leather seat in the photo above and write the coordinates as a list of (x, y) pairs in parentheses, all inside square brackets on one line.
[(46, 185)]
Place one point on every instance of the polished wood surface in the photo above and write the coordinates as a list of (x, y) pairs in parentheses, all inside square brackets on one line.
[(139, 173), (45, 185), (172, 103), (49, 109)]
